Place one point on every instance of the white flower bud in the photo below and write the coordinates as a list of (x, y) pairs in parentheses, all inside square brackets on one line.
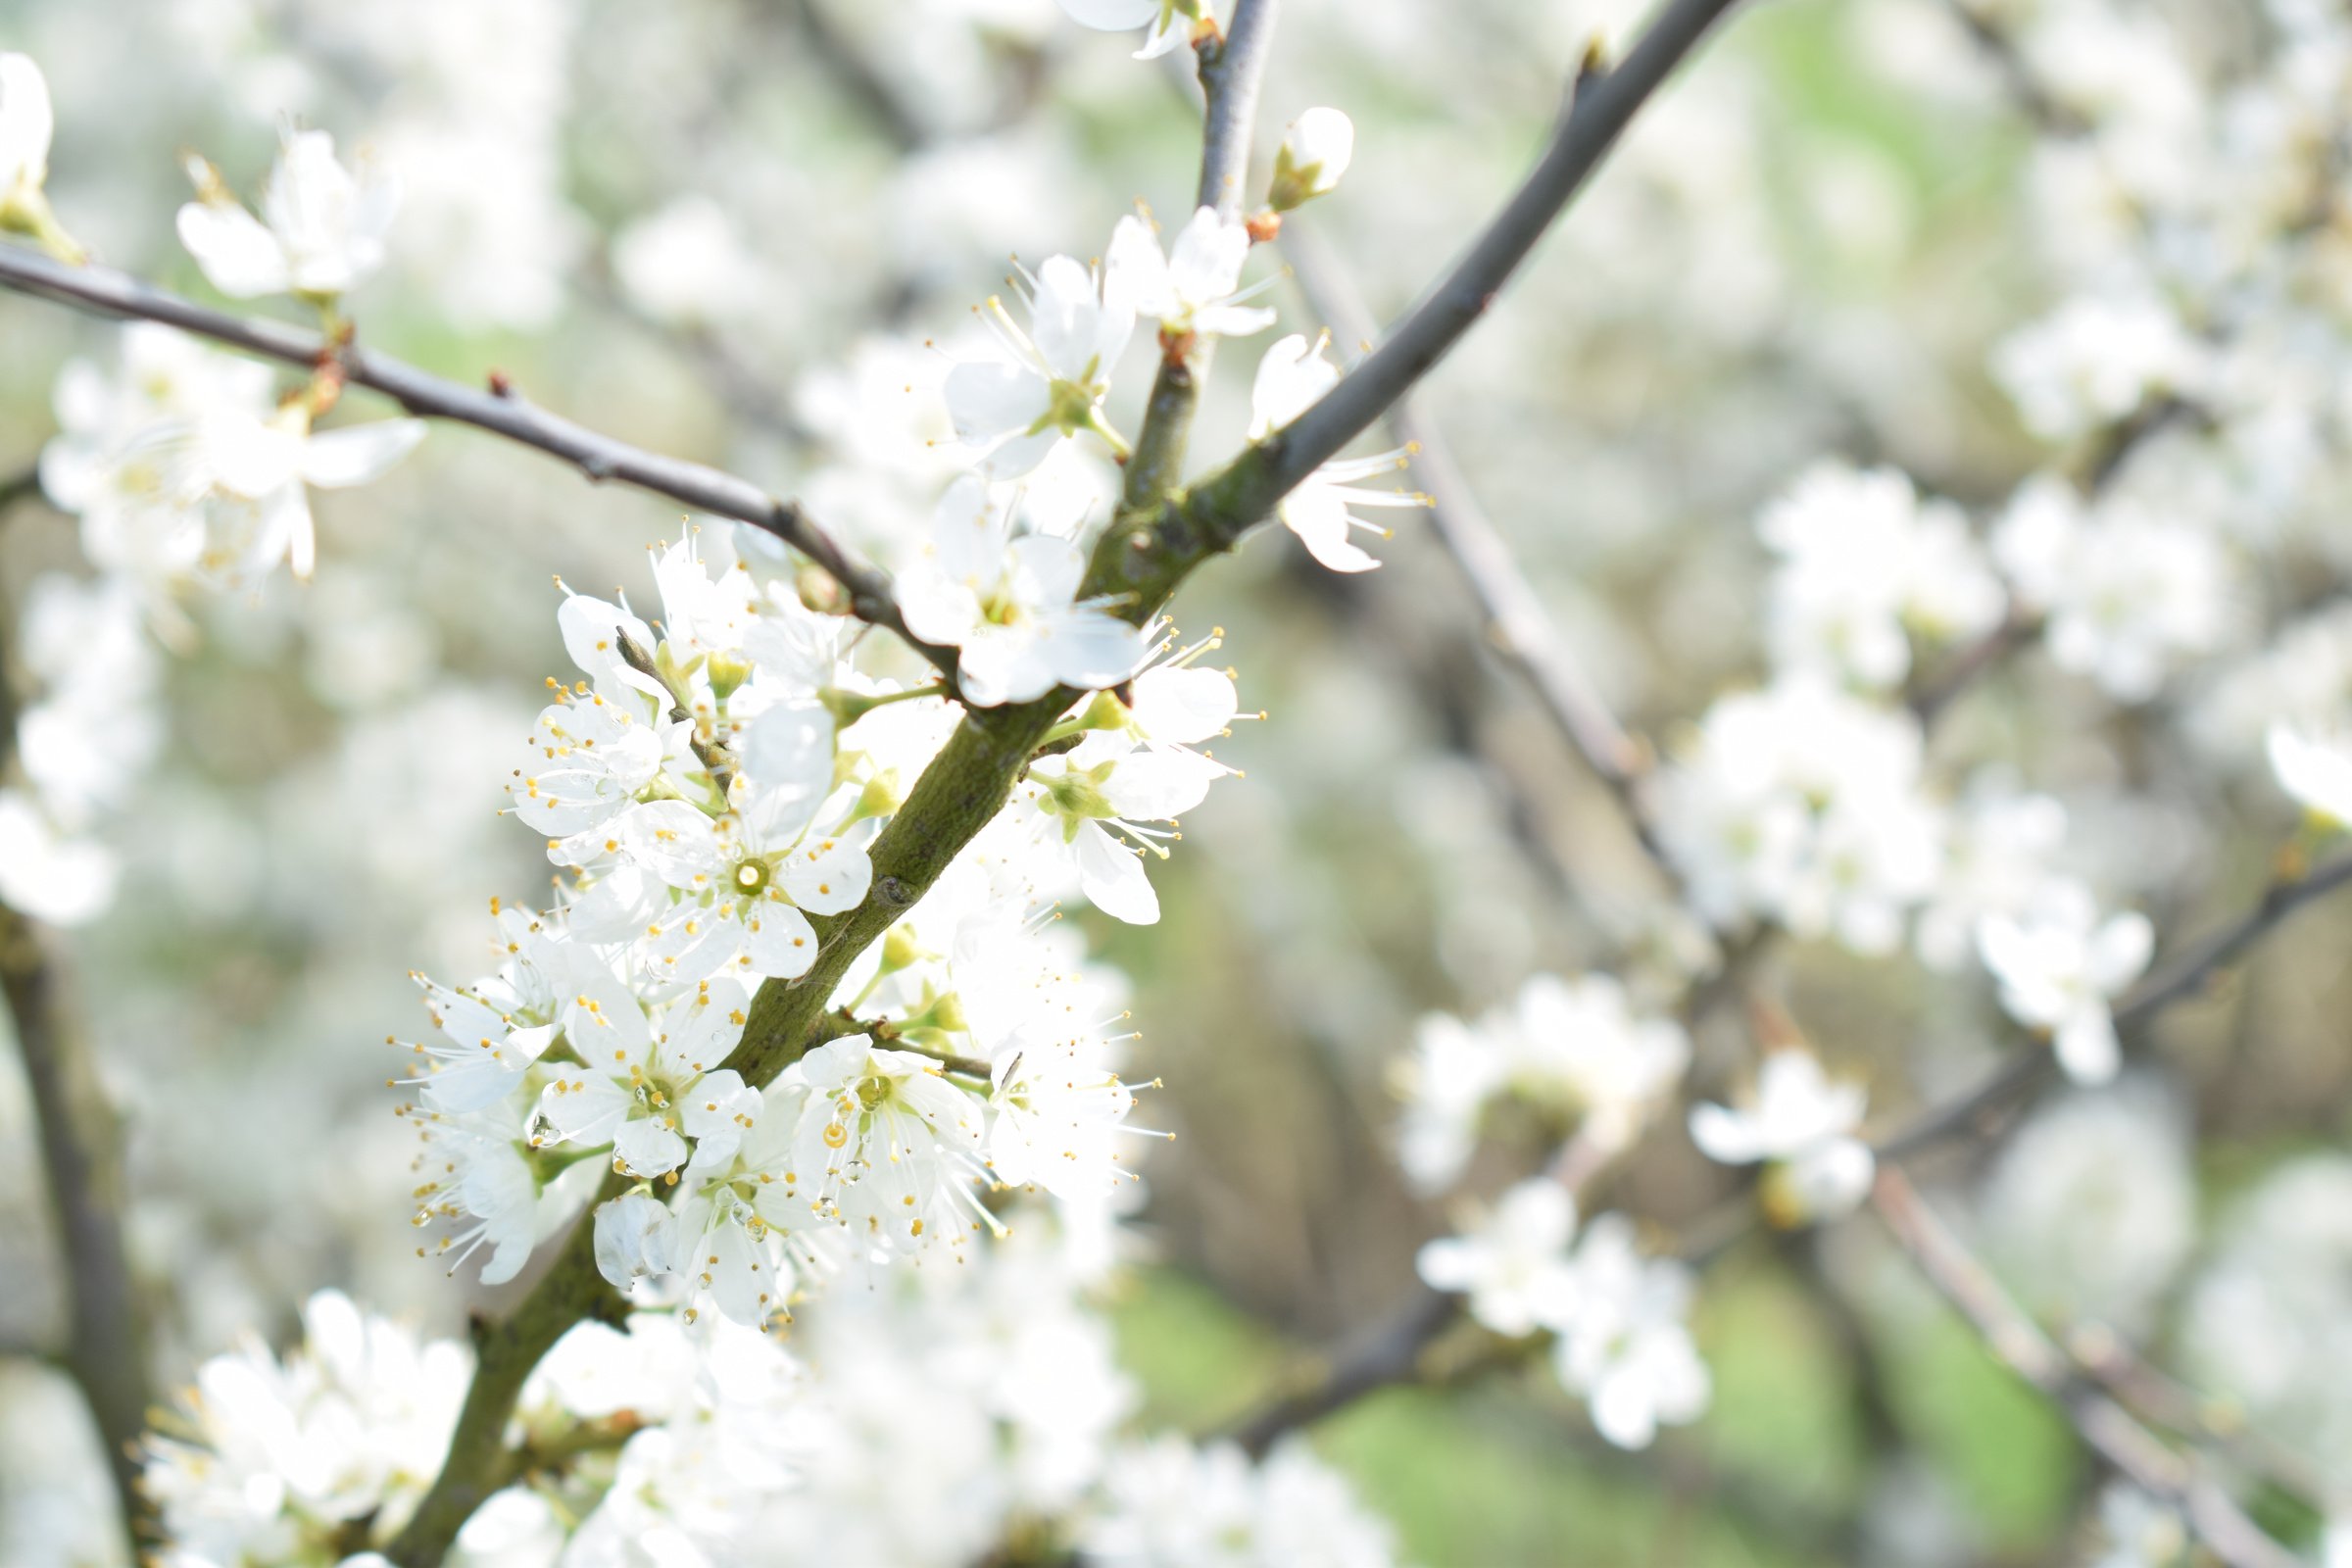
[(25, 124), (1315, 154), (635, 1235)]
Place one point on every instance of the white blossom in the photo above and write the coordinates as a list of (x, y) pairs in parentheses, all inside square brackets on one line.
[(1800, 1121), (1168, 23), (1195, 286), (1514, 1267), (2090, 1207), (1864, 565), (1009, 605), (1626, 1350), (1091, 802), (1803, 804), (26, 126), (1317, 149), (2129, 594), (1169, 1504), (1047, 382), (649, 1084), (1294, 375), (274, 1461), (2060, 966), (2315, 771), (320, 232), (884, 1144), (47, 874), (2094, 362)]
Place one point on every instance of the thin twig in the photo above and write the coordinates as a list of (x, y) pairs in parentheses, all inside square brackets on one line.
[(708, 751), (2049, 117), (2156, 1397), (1231, 71), (847, 68), (2166, 1474), (1389, 1353), (1604, 103), (2184, 977), (501, 411), (79, 1134), (25, 486), (1511, 615)]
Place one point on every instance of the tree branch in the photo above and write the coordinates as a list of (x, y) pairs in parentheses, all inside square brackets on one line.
[(971, 778), (2182, 977), (2155, 1398), (1215, 515), (1511, 616), (105, 1350), (1604, 102), (2110, 1430), (15, 488), (1231, 72), (1390, 1354), (102, 291), (81, 1156), (572, 1291)]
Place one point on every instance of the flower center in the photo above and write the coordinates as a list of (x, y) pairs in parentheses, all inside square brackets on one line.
[(752, 876)]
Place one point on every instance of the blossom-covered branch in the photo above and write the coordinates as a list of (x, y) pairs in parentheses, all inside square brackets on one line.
[(2184, 977), (1390, 1352), (501, 411)]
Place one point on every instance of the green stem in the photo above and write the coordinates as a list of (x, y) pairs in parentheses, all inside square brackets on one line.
[(848, 707), (478, 1466)]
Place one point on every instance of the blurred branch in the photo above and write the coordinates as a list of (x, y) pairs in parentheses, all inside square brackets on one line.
[(1930, 696), (501, 411), (105, 1350), (2184, 977), (744, 387), (81, 1156), (1934, 692), (847, 68), (2049, 117), (1391, 1352), (2157, 1399), (1511, 615), (2173, 1478), (1603, 101), (15, 488)]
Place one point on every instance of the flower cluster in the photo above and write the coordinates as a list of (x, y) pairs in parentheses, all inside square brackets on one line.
[(712, 791), (1617, 1316), (1575, 1050), (310, 1459)]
